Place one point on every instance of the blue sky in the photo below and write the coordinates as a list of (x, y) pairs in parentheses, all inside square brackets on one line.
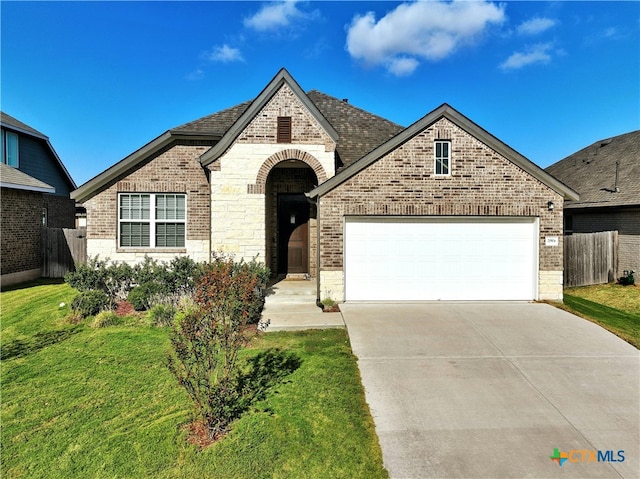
[(103, 79)]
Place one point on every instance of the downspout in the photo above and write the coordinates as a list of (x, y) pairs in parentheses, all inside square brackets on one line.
[(316, 201)]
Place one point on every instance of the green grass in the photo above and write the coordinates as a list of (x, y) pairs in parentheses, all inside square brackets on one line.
[(614, 307), (101, 403)]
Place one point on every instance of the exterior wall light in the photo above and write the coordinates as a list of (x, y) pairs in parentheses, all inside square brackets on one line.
[(550, 206)]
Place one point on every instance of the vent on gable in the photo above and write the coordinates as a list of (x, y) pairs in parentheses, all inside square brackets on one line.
[(284, 129)]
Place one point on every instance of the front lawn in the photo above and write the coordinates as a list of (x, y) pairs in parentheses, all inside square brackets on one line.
[(612, 306), (92, 403)]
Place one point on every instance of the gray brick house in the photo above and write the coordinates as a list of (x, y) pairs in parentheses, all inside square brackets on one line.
[(606, 174), (314, 185), (35, 192)]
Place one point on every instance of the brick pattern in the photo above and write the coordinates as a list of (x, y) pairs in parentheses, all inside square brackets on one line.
[(61, 211), (304, 128), (21, 228), (482, 182), (175, 170), (285, 155)]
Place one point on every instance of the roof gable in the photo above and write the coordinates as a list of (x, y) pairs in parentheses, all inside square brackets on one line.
[(445, 111), (11, 123), (605, 173), (282, 78)]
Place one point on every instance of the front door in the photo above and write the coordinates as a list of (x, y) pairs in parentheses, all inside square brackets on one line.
[(293, 233)]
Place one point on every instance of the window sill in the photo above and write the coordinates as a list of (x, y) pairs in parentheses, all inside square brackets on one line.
[(151, 250)]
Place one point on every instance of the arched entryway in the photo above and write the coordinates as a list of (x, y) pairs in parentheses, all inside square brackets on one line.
[(291, 239)]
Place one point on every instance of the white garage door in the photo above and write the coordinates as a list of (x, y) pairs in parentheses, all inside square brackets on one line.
[(411, 259)]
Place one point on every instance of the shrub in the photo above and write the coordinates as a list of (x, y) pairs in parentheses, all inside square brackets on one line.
[(206, 342), (88, 276), (105, 319), (143, 296), (162, 314), (89, 303), (118, 281), (628, 278)]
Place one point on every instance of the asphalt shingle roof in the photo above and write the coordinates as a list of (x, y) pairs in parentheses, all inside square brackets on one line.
[(592, 172), (10, 121), (11, 177), (359, 131)]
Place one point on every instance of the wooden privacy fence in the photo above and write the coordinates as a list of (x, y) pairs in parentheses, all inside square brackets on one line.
[(61, 249), (590, 258)]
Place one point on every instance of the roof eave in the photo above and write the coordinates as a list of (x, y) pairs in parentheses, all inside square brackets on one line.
[(282, 77), (94, 185), (37, 189), (466, 124)]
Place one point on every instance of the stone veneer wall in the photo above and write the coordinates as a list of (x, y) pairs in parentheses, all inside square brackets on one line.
[(175, 170), (238, 178), (482, 183)]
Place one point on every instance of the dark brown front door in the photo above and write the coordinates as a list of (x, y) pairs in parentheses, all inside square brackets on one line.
[(293, 233)]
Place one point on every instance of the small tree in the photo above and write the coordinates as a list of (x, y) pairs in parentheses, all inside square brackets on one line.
[(207, 339)]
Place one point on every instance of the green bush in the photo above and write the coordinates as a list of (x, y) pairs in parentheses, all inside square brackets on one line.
[(143, 296), (88, 276), (162, 314), (105, 319), (90, 303)]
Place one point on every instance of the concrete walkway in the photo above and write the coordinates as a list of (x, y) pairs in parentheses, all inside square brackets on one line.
[(491, 390), (291, 305)]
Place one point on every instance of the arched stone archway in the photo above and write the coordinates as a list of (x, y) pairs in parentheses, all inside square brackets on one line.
[(290, 220), (286, 155)]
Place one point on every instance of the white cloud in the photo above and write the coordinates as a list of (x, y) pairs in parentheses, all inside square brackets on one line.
[(537, 54), (402, 66), (195, 75), (274, 15), (536, 25), (224, 54), (419, 30)]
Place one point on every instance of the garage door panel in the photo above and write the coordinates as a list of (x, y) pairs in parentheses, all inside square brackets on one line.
[(440, 259)]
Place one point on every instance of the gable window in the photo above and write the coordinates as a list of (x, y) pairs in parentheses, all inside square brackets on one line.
[(151, 220), (442, 158), (284, 129), (10, 148)]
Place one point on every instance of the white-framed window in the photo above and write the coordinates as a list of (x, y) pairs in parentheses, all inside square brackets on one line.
[(442, 164), (151, 220), (9, 148)]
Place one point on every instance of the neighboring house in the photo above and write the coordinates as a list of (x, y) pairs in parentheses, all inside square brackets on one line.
[(606, 174), (22, 200), (35, 192), (313, 185), (31, 152)]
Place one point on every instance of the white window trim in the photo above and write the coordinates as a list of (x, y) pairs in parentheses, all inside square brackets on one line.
[(152, 222), (435, 158)]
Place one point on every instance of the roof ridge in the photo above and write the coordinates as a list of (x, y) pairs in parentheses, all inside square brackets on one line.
[(351, 105)]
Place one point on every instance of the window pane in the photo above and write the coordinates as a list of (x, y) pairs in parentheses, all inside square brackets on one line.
[(12, 149), (170, 235), (134, 235), (170, 207)]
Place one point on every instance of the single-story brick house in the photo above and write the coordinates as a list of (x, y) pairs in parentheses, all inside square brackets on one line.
[(313, 185), (606, 175)]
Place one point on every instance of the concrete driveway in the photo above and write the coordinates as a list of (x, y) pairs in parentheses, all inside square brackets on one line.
[(489, 390)]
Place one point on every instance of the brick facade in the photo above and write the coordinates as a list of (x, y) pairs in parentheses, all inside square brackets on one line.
[(61, 211), (482, 183), (21, 228), (175, 170)]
